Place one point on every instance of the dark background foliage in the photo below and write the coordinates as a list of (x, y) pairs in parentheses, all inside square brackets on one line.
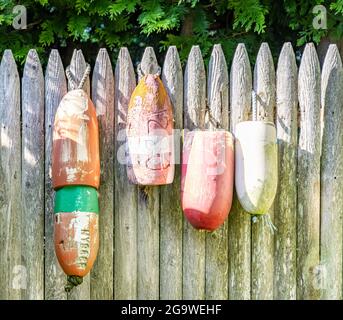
[(92, 24)]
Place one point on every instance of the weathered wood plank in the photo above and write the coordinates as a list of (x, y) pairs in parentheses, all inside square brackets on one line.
[(125, 259), (286, 197), (239, 220), (12, 273), (171, 212), (77, 68), (194, 118), (55, 89), (262, 239), (32, 221), (103, 99), (332, 175), (308, 222), (148, 218), (217, 262)]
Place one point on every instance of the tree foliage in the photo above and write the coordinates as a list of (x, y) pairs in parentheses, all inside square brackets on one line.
[(91, 24)]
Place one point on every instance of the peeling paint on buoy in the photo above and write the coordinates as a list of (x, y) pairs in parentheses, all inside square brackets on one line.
[(150, 139)]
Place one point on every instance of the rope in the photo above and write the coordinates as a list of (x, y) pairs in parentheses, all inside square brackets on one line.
[(212, 119), (72, 281), (254, 105), (71, 80), (141, 74), (266, 220)]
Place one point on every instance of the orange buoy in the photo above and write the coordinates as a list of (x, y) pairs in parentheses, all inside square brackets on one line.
[(75, 157), (150, 134), (75, 178), (207, 178)]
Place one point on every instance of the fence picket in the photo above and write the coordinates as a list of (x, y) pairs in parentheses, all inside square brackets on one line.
[(217, 242), (194, 118), (33, 176), (239, 220), (55, 89), (11, 269), (262, 239), (171, 213), (148, 218), (125, 211), (308, 222), (103, 99), (331, 175), (286, 197), (77, 69)]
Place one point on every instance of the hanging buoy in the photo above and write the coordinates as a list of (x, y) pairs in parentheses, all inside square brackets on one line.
[(76, 178), (256, 170), (150, 156), (207, 178)]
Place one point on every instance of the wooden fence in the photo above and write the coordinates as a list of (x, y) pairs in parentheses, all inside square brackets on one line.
[(147, 249)]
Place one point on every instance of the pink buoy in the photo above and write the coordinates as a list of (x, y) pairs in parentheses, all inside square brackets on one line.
[(207, 178)]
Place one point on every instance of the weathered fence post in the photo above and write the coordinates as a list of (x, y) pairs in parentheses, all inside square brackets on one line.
[(148, 218), (217, 241), (286, 197), (332, 175), (32, 187), (239, 220), (262, 239), (55, 89), (171, 213), (194, 118), (308, 222), (12, 273), (103, 99), (125, 211), (77, 69)]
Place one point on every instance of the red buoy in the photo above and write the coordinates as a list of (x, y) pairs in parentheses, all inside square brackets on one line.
[(207, 178)]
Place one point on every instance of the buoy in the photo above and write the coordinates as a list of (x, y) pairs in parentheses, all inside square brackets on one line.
[(207, 178), (76, 178), (75, 157), (256, 172), (76, 229), (150, 156)]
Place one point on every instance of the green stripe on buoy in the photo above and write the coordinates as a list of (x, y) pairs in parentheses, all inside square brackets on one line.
[(76, 198)]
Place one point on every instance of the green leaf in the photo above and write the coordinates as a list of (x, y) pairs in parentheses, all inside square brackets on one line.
[(77, 26)]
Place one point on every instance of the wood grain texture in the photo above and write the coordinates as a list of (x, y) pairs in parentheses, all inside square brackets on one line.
[(217, 262), (332, 175), (148, 218), (309, 273), (33, 176), (77, 68), (125, 257), (103, 99), (55, 89), (13, 274), (239, 220), (286, 197), (194, 118), (171, 212), (262, 238)]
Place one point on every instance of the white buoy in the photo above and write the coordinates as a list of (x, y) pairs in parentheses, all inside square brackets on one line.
[(256, 171)]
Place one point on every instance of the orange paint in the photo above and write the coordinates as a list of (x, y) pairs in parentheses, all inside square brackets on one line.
[(150, 134), (75, 153), (76, 238)]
